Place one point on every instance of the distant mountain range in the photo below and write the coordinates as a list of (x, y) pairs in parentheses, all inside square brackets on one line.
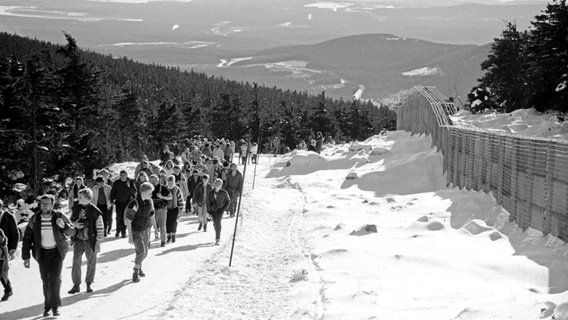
[(314, 39), (369, 66)]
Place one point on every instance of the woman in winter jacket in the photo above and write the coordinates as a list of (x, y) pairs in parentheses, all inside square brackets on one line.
[(218, 201)]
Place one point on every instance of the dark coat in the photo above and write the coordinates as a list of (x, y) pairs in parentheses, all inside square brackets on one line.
[(192, 183), (32, 236), (218, 202), (141, 220), (90, 222), (234, 183), (10, 227), (4, 265), (198, 194), (122, 191)]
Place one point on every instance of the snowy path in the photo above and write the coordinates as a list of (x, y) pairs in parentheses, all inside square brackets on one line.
[(191, 278), (266, 279)]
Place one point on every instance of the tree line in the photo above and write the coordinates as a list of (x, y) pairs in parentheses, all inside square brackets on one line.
[(528, 68), (65, 111)]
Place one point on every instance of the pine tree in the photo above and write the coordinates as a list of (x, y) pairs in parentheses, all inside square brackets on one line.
[(548, 54), (505, 70)]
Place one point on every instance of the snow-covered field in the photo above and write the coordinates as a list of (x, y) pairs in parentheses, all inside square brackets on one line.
[(304, 250)]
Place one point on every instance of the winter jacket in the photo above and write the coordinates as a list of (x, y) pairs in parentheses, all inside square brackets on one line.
[(150, 169), (319, 144), (122, 191), (228, 151), (199, 192), (218, 153), (141, 218), (32, 236), (185, 156), (4, 266), (96, 191), (234, 183), (181, 182), (74, 194), (93, 222), (165, 156), (10, 227), (192, 183), (218, 202), (177, 198)]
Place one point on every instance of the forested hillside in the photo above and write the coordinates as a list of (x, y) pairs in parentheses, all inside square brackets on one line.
[(66, 110)]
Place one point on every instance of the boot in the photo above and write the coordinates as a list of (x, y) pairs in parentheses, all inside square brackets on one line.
[(205, 228), (56, 312), (169, 239), (217, 242), (141, 273), (74, 290), (162, 244), (135, 276), (7, 294), (89, 289), (173, 238), (199, 228)]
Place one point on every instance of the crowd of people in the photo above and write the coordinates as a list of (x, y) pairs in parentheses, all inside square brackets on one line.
[(201, 179)]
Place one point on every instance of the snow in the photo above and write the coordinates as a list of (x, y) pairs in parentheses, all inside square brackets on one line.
[(522, 122), (329, 5), (422, 72), (306, 249), (359, 93), (227, 63)]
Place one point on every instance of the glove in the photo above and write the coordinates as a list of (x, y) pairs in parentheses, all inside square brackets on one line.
[(60, 223), (11, 254), (27, 263)]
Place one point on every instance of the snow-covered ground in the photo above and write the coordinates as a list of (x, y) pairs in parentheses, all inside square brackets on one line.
[(304, 250), (522, 122)]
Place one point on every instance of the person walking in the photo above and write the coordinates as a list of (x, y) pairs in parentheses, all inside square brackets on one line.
[(160, 197), (218, 201), (199, 199), (46, 237), (228, 152), (312, 146), (192, 183), (275, 145), (234, 187), (8, 244), (74, 192), (175, 206), (101, 198), (181, 182), (146, 166), (122, 191), (139, 212), (89, 232), (319, 141), (244, 152), (254, 152)]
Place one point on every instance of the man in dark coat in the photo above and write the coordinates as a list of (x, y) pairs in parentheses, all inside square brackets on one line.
[(46, 237), (10, 229), (123, 190), (234, 187), (218, 201), (89, 232)]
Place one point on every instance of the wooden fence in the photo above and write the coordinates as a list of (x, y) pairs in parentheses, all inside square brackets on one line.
[(528, 176)]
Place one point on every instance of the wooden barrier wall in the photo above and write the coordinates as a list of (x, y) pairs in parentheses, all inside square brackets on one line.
[(528, 176)]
